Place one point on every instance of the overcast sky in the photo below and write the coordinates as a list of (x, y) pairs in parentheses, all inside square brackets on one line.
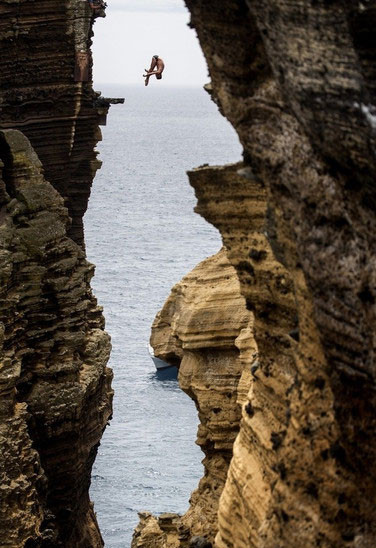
[(134, 31)]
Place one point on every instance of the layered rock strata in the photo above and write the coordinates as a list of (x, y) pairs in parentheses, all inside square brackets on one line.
[(46, 92), (298, 88), (296, 80), (55, 387), (202, 327), (287, 420)]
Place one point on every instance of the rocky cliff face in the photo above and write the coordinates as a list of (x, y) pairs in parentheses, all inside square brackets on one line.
[(296, 80), (299, 90), (46, 92), (55, 388), (205, 317), (287, 422), (54, 384), (206, 329)]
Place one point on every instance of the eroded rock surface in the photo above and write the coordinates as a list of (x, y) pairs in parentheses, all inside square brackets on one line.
[(46, 92), (54, 384), (283, 451), (55, 387), (202, 327), (297, 81)]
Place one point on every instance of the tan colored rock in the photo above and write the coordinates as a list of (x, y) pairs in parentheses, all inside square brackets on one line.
[(289, 408), (153, 532), (299, 91), (201, 326)]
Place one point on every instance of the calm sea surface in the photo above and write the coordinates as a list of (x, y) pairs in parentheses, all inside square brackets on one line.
[(143, 236)]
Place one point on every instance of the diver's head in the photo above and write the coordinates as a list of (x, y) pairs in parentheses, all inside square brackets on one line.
[(155, 56)]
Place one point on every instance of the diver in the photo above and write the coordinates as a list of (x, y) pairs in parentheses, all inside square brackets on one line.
[(156, 63)]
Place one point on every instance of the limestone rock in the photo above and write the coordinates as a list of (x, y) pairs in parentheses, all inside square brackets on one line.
[(287, 418), (153, 532), (55, 387), (201, 327), (296, 80), (42, 43)]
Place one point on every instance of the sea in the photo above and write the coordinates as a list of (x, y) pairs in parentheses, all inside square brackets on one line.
[(143, 236)]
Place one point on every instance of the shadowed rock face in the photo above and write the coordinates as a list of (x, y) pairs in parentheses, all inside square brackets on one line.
[(54, 384), (296, 80), (55, 388), (40, 42)]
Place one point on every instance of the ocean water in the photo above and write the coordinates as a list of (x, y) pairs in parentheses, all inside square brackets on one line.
[(143, 236)]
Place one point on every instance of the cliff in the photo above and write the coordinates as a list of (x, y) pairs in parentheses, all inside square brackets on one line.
[(295, 467), (55, 387), (287, 420), (296, 80), (202, 328), (299, 91), (46, 92)]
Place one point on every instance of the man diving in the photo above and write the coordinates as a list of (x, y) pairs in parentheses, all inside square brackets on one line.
[(156, 63)]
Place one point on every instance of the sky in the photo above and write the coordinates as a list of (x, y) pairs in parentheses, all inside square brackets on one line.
[(134, 31)]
